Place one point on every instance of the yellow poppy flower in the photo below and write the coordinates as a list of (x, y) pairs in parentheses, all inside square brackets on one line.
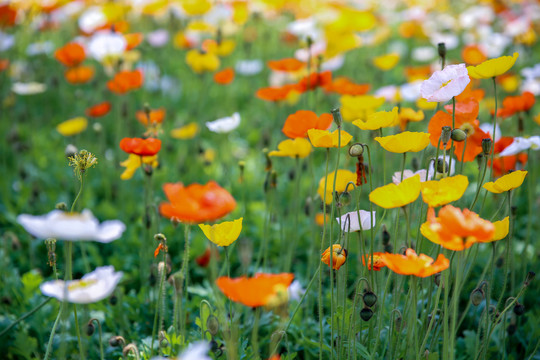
[(327, 139), (501, 229), (200, 62), (240, 12), (407, 141), (444, 191), (426, 105), (225, 48), (223, 234), (392, 196), (510, 83), (359, 107), (380, 119), (493, 67), (407, 115), (295, 148), (133, 162), (507, 182), (537, 119), (72, 126), (342, 179), (186, 132), (386, 62)]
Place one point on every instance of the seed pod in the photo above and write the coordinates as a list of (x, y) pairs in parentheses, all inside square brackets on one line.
[(369, 299), (445, 134), (458, 135), (61, 206), (366, 313), (212, 324), (486, 146), (415, 164), (336, 113), (477, 296), (441, 48), (519, 309)]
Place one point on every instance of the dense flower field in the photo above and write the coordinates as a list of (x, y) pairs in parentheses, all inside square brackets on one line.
[(269, 179)]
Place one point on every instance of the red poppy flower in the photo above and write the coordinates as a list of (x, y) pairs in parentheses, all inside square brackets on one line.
[(4, 63), (141, 147), (204, 259), (99, 110), (79, 74), (315, 80), (224, 77), (300, 122), (71, 54), (196, 203), (344, 86), (255, 291), (7, 15), (125, 81), (286, 65)]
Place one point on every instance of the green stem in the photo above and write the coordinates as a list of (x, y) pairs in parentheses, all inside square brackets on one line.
[(30, 313), (494, 126), (322, 250), (255, 334)]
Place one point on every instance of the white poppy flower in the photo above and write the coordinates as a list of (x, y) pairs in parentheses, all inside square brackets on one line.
[(296, 290), (411, 91), (488, 129), (71, 226), (304, 28), (349, 222), (45, 47), (521, 144), (106, 43), (29, 88), (93, 287), (432, 164), (92, 19), (224, 125), (424, 53), (445, 84), (333, 64), (6, 41), (396, 178), (249, 67), (158, 38), (389, 92), (195, 351)]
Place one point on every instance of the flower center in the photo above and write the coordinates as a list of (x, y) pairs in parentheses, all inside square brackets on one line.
[(468, 128), (81, 284), (445, 83)]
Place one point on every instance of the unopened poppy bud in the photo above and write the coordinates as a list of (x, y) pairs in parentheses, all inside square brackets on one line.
[(486, 146), (369, 298), (90, 328), (336, 113), (212, 324), (437, 279), (113, 300), (70, 150), (519, 309), (242, 166), (513, 210), (307, 206), (529, 278), (366, 313), (477, 296), (511, 329), (292, 175), (441, 48), (214, 345), (458, 135), (415, 164), (273, 180), (175, 221), (309, 41), (385, 235), (147, 220), (160, 237), (398, 323), (345, 198), (445, 134), (499, 263), (117, 341), (442, 166), (61, 206), (356, 150)]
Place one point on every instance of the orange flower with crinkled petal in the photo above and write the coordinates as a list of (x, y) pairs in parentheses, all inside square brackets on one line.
[(377, 262), (255, 291), (339, 256), (141, 147), (99, 110), (196, 203), (413, 264), (224, 77), (344, 86), (314, 80), (298, 124), (71, 54), (515, 104), (286, 65), (125, 81), (79, 74), (277, 93), (155, 116)]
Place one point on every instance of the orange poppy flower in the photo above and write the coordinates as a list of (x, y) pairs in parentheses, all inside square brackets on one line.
[(286, 65), (99, 110), (79, 74), (418, 72), (141, 147), (413, 264), (314, 80), (297, 124), (515, 104), (196, 203), (339, 256), (133, 40), (7, 15), (156, 116), (224, 77), (344, 86), (455, 229), (503, 164), (71, 54), (204, 259), (277, 93), (473, 55), (4, 64), (378, 262), (469, 92), (256, 291), (125, 81)]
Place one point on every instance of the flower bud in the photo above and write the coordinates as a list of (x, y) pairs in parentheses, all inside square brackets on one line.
[(398, 323), (356, 150), (442, 166), (61, 206), (117, 341), (345, 198), (529, 278), (385, 235), (437, 279), (160, 237), (415, 164), (519, 309), (70, 150), (477, 296), (214, 345), (336, 113), (445, 134), (369, 299), (113, 300), (366, 313), (486, 146), (458, 135), (90, 328), (388, 248), (441, 48), (212, 324)]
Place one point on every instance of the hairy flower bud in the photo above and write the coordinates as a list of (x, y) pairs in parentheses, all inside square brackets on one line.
[(477, 296), (445, 134), (486, 146), (336, 113), (366, 313), (356, 150), (369, 299), (458, 135)]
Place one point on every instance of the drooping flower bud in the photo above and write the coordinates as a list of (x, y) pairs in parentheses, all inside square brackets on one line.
[(366, 313), (519, 309), (385, 235), (477, 296), (212, 324), (458, 135), (369, 298), (441, 48), (356, 150)]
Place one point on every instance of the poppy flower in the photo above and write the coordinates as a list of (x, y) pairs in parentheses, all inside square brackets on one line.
[(343, 177), (72, 126), (456, 229), (516, 104), (28, 88), (4, 64), (255, 291), (294, 148), (99, 110), (392, 196), (502, 227), (225, 124), (473, 55), (407, 115), (125, 81), (134, 162), (223, 48), (378, 120), (133, 40), (377, 264), (196, 203), (155, 116), (359, 107), (493, 67), (278, 93), (71, 54), (413, 264), (444, 191), (507, 182), (327, 139), (93, 287), (286, 65), (188, 131), (386, 62), (141, 147), (339, 256), (344, 86), (201, 62), (79, 74), (8, 15), (224, 77), (504, 160), (443, 85), (519, 144), (315, 80), (407, 141), (298, 124), (204, 259), (349, 222), (223, 234)]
